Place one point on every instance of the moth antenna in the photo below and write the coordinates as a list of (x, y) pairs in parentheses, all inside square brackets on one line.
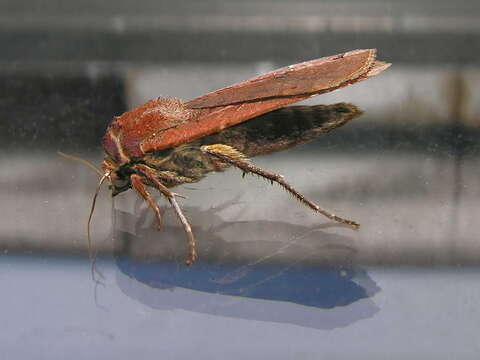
[(83, 161), (92, 256)]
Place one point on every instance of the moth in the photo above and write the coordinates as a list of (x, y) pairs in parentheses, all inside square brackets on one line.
[(167, 142)]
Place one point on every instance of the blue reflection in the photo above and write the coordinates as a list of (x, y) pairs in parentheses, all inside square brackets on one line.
[(323, 287)]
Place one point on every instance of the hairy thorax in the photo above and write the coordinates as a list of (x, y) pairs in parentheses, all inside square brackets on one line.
[(183, 164)]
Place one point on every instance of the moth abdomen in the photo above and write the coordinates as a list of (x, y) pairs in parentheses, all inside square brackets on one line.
[(301, 120), (284, 128)]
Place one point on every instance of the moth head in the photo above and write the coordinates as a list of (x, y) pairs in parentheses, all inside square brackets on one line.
[(119, 177)]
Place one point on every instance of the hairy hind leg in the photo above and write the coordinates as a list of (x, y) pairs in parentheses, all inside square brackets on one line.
[(234, 157)]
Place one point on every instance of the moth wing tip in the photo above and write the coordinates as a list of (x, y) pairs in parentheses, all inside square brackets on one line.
[(378, 67)]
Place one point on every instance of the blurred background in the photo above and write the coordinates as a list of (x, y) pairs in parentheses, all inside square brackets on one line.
[(273, 279)]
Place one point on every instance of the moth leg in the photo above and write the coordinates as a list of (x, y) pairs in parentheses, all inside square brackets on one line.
[(155, 182), (137, 184), (234, 157)]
